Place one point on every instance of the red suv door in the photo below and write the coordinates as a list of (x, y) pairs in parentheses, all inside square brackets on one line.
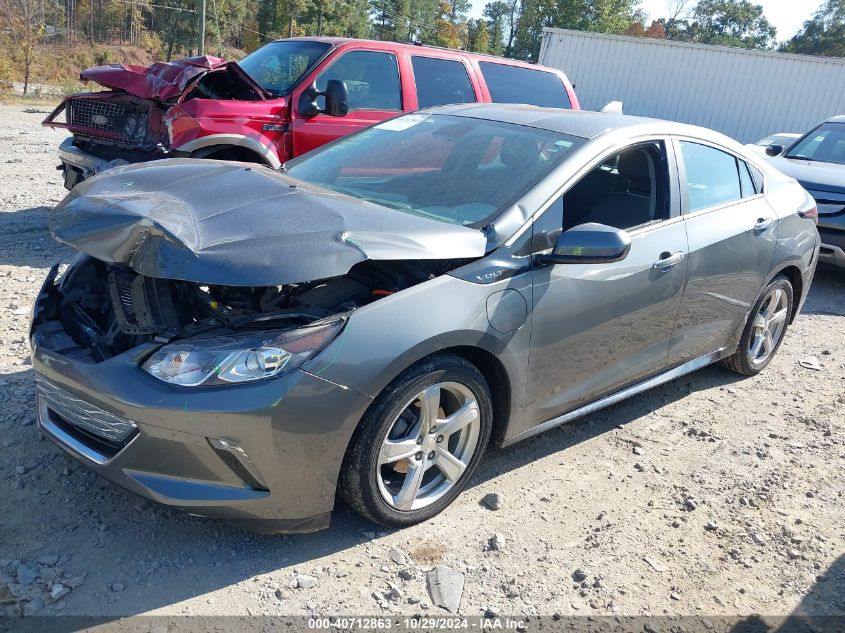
[(374, 85)]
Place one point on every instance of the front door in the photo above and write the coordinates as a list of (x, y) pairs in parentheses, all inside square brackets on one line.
[(597, 328), (375, 94)]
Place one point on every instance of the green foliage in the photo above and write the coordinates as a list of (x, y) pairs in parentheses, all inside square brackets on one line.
[(102, 57), (739, 23), (600, 16), (824, 34), (6, 76), (169, 28)]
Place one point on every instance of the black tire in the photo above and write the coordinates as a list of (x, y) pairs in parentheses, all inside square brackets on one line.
[(740, 361), (358, 485)]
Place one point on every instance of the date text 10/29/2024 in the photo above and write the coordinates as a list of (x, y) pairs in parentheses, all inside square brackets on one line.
[(425, 623)]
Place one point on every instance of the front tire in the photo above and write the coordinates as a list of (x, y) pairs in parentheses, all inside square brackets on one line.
[(419, 443), (765, 330)]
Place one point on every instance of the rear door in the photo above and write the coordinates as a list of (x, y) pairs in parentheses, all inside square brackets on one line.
[(731, 232), (375, 93), (441, 81)]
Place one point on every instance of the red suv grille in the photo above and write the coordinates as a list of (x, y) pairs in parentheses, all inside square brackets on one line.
[(107, 119)]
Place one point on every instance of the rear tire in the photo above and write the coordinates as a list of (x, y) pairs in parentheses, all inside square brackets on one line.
[(419, 443), (765, 330)]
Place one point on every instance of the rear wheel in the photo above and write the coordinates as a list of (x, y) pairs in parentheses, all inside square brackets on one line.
[(765, 329), (419, 443)]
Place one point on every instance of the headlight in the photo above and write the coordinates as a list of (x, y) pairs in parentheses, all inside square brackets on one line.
[(239, 358)]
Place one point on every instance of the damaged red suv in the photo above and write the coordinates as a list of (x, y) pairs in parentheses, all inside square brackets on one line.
[(283, 100)]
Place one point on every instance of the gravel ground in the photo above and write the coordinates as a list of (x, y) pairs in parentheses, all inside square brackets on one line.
[(710, 495)]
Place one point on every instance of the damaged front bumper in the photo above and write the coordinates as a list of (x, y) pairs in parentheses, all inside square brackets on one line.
[(77, 164), (263, 455)]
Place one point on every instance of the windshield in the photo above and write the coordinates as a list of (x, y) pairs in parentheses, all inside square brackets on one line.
[(825, 144), (277, 66), (453, 169)]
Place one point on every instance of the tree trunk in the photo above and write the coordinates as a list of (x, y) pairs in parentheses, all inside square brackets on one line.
[(27, 63)]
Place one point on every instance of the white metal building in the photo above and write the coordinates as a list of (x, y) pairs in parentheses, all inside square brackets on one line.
[(744, 94)]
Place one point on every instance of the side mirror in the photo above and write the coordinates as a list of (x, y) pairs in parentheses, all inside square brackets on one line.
[(774, 150), (590, 243), (612, 107), (337, 99)]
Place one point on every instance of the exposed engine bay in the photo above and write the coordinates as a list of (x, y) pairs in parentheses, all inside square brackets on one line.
[(225, 84), (98, 310)]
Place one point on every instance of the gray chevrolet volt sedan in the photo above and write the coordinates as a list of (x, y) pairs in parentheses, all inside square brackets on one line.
[(246, 344)]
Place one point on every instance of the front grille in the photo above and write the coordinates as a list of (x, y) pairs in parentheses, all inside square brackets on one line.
[(83, 417), (107, 119)]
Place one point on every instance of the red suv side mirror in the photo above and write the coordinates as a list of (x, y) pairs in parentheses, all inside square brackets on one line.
[(336, 96)]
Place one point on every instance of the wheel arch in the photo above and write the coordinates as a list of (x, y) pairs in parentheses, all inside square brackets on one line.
[(230, 152), (498, 381), (490, 366), (204, 146), (793, 275)]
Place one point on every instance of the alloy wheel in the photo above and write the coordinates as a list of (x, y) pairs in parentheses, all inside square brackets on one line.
[(769, 326), (429, 446)]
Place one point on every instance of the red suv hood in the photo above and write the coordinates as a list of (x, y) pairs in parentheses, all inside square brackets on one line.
[(161, 81)]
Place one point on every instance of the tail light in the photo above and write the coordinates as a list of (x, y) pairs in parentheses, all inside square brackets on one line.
[(809, 211)]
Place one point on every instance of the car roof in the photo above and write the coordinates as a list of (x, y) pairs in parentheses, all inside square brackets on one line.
[(836, 119), (583, 123), (413, 46)]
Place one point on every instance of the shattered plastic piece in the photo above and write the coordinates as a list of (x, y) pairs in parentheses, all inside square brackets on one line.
[(446, 586), (655, 564), (810, 362)]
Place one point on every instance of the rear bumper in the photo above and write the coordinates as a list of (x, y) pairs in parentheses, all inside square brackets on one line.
[(265, 456), (832, 233)]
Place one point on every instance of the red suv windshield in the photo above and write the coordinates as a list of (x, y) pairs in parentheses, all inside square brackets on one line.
[(277, 66)]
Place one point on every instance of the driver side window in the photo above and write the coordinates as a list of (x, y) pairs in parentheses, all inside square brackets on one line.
[(628, 189), (371, 78)]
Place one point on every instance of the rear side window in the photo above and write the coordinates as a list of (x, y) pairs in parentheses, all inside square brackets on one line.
[(512, 84), (745, 180), (712, 176), (757, 177), (371, 78), (441, 81)]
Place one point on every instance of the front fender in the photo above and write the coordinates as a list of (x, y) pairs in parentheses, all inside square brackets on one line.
[(260, 126), (386, 337)]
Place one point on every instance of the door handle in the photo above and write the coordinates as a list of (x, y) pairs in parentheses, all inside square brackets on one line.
[(762, 224), (667, 260)]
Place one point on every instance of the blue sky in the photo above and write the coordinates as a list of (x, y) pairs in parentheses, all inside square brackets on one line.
[(787, 15)]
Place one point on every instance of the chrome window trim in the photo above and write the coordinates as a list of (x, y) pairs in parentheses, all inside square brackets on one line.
[(71, 444), (719, 207)]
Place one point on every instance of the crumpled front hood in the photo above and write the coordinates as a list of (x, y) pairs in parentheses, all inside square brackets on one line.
[(161, 81), (225, 223)]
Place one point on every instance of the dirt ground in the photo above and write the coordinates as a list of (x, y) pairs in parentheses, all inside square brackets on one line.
[(710, 495)]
